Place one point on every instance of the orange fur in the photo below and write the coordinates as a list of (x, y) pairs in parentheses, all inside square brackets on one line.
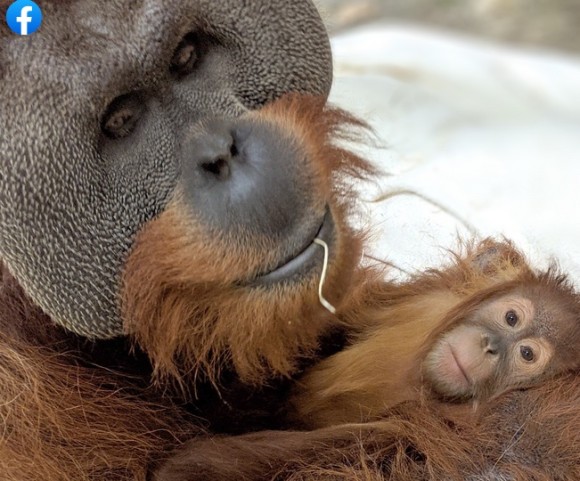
[(531, 435), (64, 420)]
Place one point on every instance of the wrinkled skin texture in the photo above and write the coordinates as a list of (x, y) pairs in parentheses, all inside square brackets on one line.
[(88, 196)]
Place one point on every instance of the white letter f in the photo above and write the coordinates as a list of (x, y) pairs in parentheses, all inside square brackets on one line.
[(24, 19)]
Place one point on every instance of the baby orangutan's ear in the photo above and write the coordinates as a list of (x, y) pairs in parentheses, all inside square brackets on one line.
[(498, 259)]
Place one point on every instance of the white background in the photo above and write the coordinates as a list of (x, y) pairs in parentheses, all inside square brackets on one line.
[(488, 136)]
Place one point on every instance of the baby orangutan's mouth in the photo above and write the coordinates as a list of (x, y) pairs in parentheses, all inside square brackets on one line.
[(460, 367), (309, 257)]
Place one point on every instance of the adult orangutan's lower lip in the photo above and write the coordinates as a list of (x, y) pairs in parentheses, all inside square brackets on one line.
[(311, 257)]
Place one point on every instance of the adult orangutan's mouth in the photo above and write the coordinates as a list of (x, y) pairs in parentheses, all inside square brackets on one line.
[(306, 259)]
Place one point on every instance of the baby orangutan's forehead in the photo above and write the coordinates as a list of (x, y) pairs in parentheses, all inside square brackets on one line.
[(497, 308), (557, 309), (550, 306), (558, 323), (523, 305)]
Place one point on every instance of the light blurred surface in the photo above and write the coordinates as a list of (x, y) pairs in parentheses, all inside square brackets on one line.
[(549, 24), (478, 138)]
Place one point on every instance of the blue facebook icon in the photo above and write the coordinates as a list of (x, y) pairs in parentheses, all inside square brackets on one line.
[(24, 17)]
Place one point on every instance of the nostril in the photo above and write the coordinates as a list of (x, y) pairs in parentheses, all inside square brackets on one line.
[(487, 345), (234, 150), (484, 341), (219, 168)]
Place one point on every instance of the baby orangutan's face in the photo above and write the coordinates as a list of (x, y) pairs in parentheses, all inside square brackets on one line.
[(497, 346)]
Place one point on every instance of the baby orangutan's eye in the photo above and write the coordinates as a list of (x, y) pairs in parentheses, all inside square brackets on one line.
[(511, 318), (527, 353)]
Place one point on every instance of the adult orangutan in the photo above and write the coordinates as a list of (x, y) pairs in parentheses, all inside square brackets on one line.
[(157, 222)]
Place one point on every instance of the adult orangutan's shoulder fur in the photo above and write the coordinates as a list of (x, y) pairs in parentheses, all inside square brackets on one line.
[(62, 416)]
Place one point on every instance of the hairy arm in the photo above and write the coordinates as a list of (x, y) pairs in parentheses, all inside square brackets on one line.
[(524, 435)]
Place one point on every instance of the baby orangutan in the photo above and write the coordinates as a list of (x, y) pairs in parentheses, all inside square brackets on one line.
[(485, 325)]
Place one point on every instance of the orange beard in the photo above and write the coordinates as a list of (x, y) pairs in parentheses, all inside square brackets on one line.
[(187, 298)]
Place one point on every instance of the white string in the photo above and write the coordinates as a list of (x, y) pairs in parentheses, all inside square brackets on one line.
[(323, 301), (397, 192)]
